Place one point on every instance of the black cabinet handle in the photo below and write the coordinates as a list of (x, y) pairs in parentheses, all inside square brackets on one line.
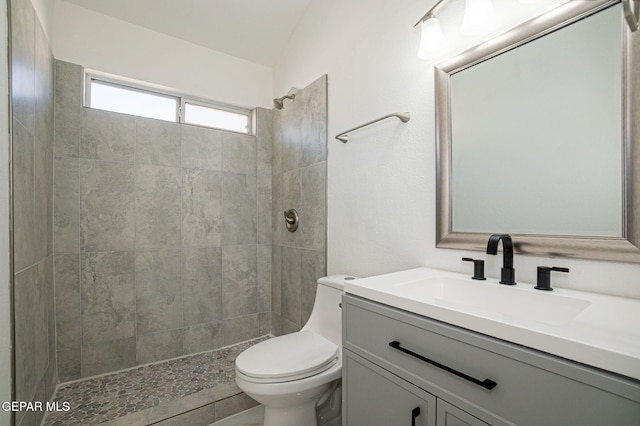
[(486, 383), (414, 415)]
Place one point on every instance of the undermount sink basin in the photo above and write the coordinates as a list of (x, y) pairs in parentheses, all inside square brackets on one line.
[(490, 301)]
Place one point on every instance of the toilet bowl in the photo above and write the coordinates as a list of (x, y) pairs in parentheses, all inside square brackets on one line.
[(291, 374)]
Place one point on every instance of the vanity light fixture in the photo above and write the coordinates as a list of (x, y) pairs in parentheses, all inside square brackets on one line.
[(432, 39), (476, 14)]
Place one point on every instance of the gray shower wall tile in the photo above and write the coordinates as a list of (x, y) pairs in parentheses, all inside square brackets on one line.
[(276, 280), (203, 337), (313, 202), (108, 296), (264, 259), (265, 209), (239, 281), (158, 290), (289, 139), (43, 200), (68, 302), (50, 378), (240, 329), (239, 153), (158, 142), (50, 198), (157, 206), (278, 207), (313, 266), (239, 209), (202, 277), (104, 357), (67, 109), (264, 323), (26, 297), (313, 119), (107, 205), (44, 81), (32, 329), (201, 208), (158, 346), (107, 136), (264, 141), (69, 364), (23, 22), (288, 327), (201, 148), (66, 214), (291, 288), (25, 231), (276, 325)]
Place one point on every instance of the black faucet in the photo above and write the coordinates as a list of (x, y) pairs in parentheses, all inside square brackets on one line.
[(508, 274)]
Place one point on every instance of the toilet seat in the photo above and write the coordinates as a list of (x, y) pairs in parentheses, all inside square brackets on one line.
[(287, 358)]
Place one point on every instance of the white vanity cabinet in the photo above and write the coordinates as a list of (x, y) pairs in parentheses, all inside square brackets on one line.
[(395, 361)]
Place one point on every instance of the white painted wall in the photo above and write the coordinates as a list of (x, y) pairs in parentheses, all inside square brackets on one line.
[(381, 185), (113, 46), (5, 274)]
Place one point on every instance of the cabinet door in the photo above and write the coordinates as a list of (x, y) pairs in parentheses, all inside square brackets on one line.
[(448, 415), (375, 397)]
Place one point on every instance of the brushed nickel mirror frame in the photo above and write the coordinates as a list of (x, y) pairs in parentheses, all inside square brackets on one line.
[(620, 249)]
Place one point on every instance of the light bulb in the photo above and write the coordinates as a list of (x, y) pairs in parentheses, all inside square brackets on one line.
[(431, 39), (476, 13)]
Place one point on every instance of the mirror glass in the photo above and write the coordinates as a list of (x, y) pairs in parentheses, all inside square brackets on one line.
[(535, 137)]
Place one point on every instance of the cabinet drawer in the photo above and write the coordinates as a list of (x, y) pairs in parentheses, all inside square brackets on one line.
[(538, 391)]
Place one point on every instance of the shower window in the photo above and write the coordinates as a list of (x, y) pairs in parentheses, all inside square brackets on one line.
[(204, 115), (109, 94), (128, 100)]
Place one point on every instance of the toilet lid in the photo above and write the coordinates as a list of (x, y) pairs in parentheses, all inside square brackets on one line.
[(289, 357)]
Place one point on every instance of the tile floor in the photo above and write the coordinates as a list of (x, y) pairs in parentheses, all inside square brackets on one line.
[(251, 417), (155, 392)]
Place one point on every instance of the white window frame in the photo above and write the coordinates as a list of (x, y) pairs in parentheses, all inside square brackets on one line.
[(181, 100)]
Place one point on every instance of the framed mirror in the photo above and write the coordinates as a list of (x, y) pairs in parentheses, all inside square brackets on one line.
[(537, 136)]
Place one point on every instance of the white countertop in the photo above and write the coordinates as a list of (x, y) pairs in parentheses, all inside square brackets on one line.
[(594, 329)]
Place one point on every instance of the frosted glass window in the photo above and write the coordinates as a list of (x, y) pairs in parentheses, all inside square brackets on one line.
[(110, 94), (127, 100), (212, 117)]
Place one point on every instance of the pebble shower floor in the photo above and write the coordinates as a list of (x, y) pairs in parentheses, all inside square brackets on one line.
[(105, 398)]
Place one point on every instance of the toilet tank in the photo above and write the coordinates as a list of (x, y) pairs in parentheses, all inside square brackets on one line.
[(326, 316)]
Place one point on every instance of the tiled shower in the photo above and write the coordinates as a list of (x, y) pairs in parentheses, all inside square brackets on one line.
[(156, 234), (138, 240)]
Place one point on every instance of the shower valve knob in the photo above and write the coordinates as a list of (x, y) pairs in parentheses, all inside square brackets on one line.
[(291, 220)]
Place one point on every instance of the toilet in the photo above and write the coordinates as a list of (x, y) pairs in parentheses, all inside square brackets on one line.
[(292, 375)]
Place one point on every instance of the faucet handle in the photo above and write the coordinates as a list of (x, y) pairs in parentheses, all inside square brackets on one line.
[(544, 277), (478, 268)]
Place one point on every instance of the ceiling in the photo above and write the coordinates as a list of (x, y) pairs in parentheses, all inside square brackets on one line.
[(255, 30)]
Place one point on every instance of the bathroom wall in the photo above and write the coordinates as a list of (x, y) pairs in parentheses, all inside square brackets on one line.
[(32, 77), (162, 235), (110, 45), (299, 182), (381, 184)]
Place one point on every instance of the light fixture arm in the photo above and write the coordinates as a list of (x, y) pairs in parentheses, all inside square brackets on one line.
[(431, 13)]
